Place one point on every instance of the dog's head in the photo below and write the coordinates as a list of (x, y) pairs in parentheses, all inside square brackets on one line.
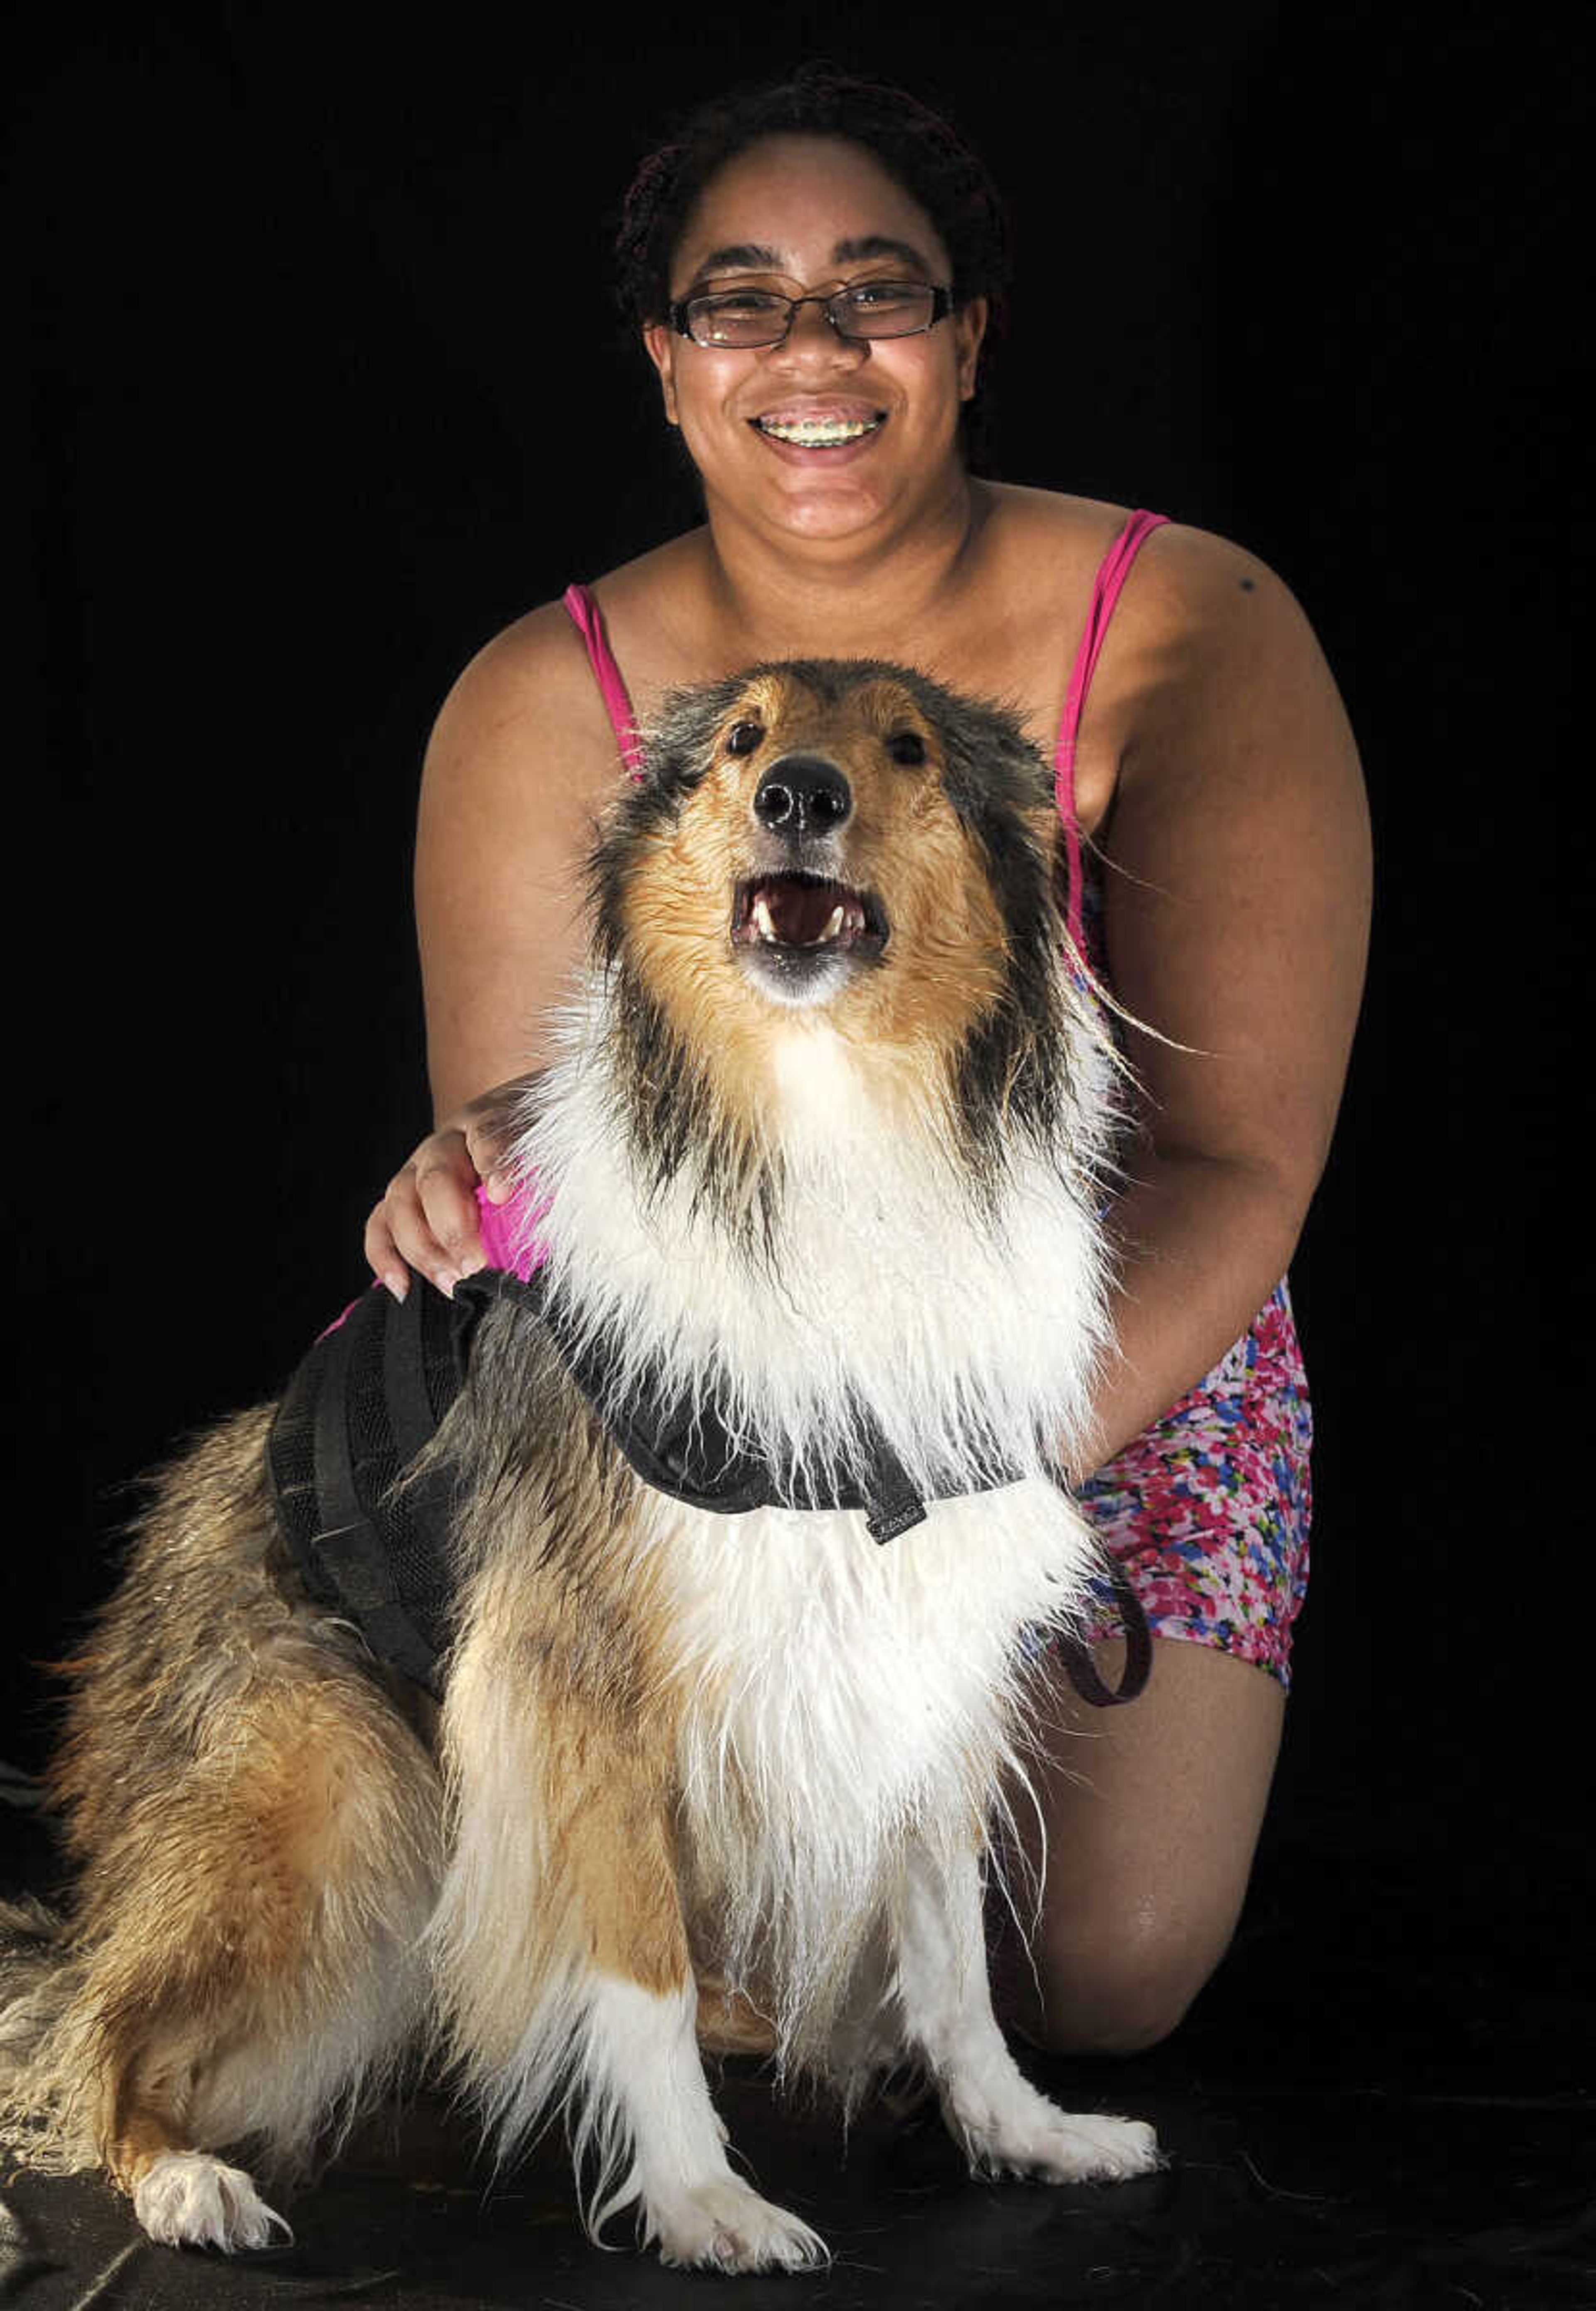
[(839, 852)]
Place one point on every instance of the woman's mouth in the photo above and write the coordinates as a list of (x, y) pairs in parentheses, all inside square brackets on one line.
[(818, 432)]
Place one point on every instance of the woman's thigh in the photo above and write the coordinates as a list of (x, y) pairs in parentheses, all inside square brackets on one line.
[(1142, 1824)]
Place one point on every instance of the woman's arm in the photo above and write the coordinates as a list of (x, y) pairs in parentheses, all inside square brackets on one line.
[(1237, 918), (519, 763)]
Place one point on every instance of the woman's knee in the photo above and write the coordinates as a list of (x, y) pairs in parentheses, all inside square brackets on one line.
[(1149, 1841), (1119, 1993)]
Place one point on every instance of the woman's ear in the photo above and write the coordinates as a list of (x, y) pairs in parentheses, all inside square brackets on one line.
[(970, 326), (659, 343)]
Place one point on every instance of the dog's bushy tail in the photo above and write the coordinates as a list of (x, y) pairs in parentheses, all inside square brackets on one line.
[(31, 1960), (38, 1982)]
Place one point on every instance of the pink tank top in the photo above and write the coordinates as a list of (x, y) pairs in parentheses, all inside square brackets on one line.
[(508, 1231)]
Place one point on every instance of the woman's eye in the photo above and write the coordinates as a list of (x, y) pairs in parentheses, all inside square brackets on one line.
[(906, 747), (744, 301), (885, 296), (743, 737)]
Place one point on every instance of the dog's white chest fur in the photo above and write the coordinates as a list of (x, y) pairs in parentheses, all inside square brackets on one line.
[(970, 1335), (842, 1697), (865, 1667)]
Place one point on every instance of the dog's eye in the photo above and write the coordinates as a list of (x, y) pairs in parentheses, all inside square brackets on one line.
[(906, 747), (744, 737)]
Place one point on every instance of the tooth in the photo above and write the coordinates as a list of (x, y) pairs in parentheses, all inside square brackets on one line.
[(762, 921), (834, 926), (816, 431)]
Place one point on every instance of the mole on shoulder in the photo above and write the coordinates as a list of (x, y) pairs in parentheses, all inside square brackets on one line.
[(1248, 585)]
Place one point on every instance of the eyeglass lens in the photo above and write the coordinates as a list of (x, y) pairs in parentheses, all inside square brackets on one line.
[(760, 317)]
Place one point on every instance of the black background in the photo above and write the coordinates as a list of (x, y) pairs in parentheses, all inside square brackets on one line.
[(323, 387)]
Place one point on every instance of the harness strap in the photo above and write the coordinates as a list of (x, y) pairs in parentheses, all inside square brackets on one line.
[(373, 1542), (685, 1449), (347, 1548)]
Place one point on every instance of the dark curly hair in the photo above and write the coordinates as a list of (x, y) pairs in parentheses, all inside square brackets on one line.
[(913, 144)]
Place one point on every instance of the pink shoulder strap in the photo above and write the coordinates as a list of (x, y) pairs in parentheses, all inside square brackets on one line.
[(588, 619), (1112, 574), (511, 1236)]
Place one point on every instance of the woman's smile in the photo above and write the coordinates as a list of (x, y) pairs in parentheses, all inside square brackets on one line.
[(832, 431)]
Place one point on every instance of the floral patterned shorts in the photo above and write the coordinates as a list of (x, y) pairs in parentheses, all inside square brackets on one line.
[(1207, 1510)]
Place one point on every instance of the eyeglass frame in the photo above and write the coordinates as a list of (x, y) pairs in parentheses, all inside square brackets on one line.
[(942, 305)]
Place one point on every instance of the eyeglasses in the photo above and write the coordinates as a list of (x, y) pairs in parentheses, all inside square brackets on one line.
[(748, 318)]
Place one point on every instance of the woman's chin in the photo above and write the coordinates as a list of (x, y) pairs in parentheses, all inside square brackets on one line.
[(828, 511)]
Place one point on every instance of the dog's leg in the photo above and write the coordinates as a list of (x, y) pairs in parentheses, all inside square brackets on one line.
[(1004, 2125), (247, 1942), (641, 2061), (565, 1968)]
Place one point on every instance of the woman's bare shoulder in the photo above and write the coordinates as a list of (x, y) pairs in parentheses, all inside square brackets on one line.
[(1194, 579), (1182, 573), (1044, 533), (540, 655)]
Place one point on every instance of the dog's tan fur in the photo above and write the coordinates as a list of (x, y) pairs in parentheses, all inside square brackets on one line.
[(216, 1720)]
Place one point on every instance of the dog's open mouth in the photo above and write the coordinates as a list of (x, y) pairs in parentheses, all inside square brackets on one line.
[(807, 912)]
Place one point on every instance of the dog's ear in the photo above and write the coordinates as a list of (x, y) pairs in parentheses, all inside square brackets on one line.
[(991, 764), (679, 743), (1002, 790)]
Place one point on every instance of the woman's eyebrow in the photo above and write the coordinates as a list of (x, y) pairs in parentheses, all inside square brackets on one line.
[(878, 244), (753, 256), (740, 257)]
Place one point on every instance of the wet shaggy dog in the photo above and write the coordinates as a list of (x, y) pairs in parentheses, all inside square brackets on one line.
[(815, 1170)]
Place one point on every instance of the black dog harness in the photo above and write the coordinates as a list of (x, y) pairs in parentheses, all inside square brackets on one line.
[(373, 1391)]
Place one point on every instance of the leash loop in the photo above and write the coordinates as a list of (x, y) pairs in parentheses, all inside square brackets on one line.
[(1082, 1670)]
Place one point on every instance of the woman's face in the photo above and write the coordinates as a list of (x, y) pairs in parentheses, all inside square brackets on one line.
[(801, 215)]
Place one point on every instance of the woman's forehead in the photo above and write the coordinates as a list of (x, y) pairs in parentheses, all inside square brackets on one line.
[(795, 204)]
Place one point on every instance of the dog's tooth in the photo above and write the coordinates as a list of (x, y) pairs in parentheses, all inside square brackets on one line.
[(834, 925), (762, 921)]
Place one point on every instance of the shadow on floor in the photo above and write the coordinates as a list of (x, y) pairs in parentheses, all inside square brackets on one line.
[(1382, 2100)]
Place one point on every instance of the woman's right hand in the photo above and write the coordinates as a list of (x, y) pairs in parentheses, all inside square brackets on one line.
[(428, 1218)]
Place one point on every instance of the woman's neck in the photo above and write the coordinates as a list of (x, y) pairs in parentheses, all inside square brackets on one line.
[(872, 595)]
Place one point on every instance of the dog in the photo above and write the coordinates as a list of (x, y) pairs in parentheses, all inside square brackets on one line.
[(749, 1488)]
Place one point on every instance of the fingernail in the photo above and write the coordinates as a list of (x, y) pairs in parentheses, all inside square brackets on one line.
[(471, 1263), (397, 1281), (446, 1279), (497, 1186)]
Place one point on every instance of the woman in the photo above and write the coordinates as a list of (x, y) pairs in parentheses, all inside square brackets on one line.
[(1204, 757)]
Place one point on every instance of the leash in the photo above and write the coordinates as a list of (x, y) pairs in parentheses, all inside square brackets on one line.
[(1082, 1670)]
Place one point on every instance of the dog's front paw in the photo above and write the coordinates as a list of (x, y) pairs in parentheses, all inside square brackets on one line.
[(1056, 2146), (188, 2198), (724, 2226)]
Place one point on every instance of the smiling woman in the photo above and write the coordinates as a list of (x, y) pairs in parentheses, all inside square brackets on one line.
[(848, 416), (817, 271)]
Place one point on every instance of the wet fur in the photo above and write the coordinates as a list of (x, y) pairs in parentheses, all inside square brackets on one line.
[(762, 1753)]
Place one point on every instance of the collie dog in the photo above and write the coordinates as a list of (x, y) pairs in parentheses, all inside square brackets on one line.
[(753, 1528)]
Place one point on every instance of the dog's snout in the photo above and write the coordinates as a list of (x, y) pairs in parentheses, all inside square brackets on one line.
[(803, 794)]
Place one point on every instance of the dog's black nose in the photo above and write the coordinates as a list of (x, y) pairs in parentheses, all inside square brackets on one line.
[(802, 795)]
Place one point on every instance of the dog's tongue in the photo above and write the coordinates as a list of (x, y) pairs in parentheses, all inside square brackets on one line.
[(798, 912)]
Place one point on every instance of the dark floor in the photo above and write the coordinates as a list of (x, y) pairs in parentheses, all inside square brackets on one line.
[(1383, 2099)]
